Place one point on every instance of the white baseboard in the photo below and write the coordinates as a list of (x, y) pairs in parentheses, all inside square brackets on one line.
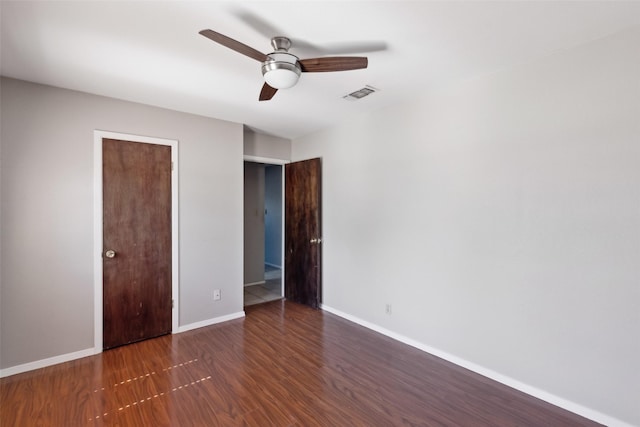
[(210, 322), (262, 282), (46, 362), (530, 390), (273, 265), (92, 351)]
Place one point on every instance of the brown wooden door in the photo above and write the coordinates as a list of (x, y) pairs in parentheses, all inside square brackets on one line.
[(137, 228), (303, 231)]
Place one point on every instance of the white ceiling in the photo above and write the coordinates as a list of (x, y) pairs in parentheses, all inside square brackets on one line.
[(151, 52)]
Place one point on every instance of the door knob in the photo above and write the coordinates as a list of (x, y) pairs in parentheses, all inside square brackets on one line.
[(110, 253)]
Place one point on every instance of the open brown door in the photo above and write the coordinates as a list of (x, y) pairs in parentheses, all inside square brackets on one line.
[(303, 231), (137, 241)]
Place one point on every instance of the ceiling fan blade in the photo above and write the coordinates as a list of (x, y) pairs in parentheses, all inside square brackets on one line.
[(234, 45), (334, 63), (302, 47), (267, 92), (269, 30)]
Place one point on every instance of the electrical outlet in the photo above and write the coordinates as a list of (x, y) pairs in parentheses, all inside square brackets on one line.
[(387, 309), (216, 295)]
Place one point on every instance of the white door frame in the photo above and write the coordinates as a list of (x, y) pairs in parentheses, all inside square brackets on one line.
[(98, 136), (271, 161)]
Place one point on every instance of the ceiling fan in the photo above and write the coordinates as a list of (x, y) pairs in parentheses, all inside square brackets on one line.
[(282, 69)]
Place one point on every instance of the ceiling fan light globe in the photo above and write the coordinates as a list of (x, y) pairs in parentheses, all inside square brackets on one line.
[(281, 71), (281, 78)]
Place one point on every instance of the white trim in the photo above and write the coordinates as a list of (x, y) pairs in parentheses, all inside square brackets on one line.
[(273, 161), (528, 389), (98, 135), (284, 225), (268, 160), (246, 285), (209, 322), (97, 242), (45, 362)]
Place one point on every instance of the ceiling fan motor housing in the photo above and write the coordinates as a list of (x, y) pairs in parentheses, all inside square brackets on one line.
[(280, 43), (281, 70)]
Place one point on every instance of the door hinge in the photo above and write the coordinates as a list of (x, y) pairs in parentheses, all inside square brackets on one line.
[(171, 165), (173, 304)]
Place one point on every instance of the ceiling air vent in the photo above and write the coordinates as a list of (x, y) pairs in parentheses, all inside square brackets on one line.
[(361, 93)]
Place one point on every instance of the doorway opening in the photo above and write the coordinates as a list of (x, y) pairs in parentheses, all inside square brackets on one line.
[(263, 232)]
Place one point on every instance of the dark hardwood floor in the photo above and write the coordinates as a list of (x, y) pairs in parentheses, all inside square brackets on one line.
[(282, 365)]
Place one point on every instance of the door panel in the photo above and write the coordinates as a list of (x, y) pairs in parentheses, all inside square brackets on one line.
[(303, 231), (137, 228)]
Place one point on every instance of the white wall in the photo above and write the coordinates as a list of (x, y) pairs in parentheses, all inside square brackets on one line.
[(266, 146), (501, 219), (47, 214)]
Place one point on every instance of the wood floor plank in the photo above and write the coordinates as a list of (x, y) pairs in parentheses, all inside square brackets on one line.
[(282, 365)]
